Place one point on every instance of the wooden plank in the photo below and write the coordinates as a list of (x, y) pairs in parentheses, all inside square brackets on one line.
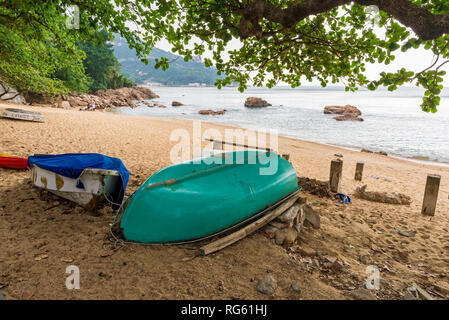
[(431, 195), (335, 175), (359, 171), (238, 145), (242, 233), (422, 292)]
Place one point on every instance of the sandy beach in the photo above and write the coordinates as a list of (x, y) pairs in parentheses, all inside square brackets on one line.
[(40, 236)]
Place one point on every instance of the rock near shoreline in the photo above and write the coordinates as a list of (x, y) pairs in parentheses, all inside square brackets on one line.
[(102, 99), (345, 113)]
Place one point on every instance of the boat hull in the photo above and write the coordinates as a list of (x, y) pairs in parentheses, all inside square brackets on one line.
[(19, 114), (89, 190), (12, 162), (205, 198)]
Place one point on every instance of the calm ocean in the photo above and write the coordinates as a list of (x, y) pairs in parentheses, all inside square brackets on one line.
[(393, 122)]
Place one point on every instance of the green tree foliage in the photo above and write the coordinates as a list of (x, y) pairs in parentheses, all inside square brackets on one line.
[(282, 40), (102, 66)]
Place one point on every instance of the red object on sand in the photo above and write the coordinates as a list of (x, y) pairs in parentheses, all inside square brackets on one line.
[(13, 162)]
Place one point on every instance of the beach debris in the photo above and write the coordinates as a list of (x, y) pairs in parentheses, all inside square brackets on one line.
[(289, 215), (401, 256), (212, 112), (279, 236), (176, 104), (382, 153), (26, 295), (342, 198), (307, 251), (388, 179), (363, 294), (245, 231), (267, 285), (383, 197), (41, 257), (374, 176), (311, 216), (422, 292), (338, 155), (405, 233), (20, 114), (365, 259), (256, 102), (290, 237), (315, 187), (67, 260), (295, 287), (286, 156)]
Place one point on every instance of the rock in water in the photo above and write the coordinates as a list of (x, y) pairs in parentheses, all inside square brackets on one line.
[(212, 112), (176, 104), (267, 285), (343, 110), (256, 102), (346, 113)]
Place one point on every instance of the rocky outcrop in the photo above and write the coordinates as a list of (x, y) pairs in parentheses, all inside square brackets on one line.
[(254, 102), (10, 94), (102, 99), (212, 112), (342, 110), (176, 104), (345, 113)]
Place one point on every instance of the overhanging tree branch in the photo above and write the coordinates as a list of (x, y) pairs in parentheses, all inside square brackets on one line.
[(426, 25)]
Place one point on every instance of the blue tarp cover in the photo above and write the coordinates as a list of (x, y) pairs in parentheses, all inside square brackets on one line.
[(72, 165)]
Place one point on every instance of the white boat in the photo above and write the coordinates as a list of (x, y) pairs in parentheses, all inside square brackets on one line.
[(19, 114), (92, 188)]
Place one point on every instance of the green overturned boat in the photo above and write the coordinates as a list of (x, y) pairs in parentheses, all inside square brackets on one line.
[(199, 198)]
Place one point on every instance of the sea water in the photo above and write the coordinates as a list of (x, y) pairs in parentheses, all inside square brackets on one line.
[(394, 121)]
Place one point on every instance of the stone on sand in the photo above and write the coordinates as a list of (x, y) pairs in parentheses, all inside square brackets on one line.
[(267, 285)]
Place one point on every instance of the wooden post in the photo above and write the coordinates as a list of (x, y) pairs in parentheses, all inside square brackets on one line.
[(359, 171), (431, 195), (335, 175)]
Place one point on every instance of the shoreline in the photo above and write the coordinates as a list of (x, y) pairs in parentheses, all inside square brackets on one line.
[(437, 163)]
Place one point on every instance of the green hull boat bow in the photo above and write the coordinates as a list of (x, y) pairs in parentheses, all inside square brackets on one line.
[(201, 197)]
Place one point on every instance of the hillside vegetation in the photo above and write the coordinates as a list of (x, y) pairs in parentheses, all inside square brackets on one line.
[(180, 72)]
